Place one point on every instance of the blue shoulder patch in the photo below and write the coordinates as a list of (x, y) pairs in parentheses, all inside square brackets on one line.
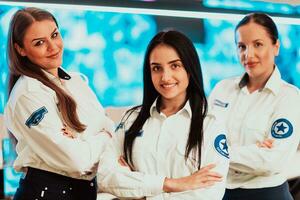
[(36, 117), (282, 128), (221, 145)]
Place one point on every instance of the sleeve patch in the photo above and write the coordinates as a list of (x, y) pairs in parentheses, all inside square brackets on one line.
[(282, 128), (36, 117), (221, 146)]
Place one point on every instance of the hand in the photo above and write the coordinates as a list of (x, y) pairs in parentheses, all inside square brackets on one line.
[(67, 132), (267, 143), (201, 179), (123, 163)]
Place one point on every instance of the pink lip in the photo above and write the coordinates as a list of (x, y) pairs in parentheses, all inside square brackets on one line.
[(53, 55), (250, 64)]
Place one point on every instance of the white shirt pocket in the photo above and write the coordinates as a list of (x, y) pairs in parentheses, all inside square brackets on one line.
[(256, 129)]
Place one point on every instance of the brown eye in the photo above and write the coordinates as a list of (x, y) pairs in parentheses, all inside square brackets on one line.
[(174, 66), (39, 43), (258, 44), (156, 68), (55, 34), (241, 47)]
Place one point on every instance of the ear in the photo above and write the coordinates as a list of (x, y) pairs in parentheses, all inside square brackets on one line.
[(277, 47), (19, 49)]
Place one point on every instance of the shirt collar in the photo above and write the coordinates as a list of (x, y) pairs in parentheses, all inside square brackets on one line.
[(62, 74), (273, 84), (186, 108)]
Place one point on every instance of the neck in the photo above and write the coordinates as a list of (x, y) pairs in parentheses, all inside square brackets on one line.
[(54, 72), (256, 83), (172, 106)]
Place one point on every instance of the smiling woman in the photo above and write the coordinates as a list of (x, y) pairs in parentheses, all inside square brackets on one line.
[(43, 45), (169, 147), (169, 77), (59, 145), (261, 113)]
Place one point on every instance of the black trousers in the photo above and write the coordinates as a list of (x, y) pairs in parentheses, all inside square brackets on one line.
[(280, 192), (42, 185)]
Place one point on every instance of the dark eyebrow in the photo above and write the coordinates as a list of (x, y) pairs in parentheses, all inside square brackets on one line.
[(43, 38), (258, 40), (174, 61)]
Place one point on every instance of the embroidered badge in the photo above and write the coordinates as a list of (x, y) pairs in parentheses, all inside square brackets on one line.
[(221, 145), (282, 128), (36, 117), (121, 125), (220, 103)]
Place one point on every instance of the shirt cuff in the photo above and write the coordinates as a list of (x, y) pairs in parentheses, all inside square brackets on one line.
[(154, 184)]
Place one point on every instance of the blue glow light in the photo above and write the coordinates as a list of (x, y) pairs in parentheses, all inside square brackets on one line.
[(252, 6)]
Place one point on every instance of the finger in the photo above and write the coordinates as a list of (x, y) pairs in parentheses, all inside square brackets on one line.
[(207, 168), (259, 144), (203, 171), (214, 174), (120, 162), (271, 140), (267, 144), (123, 162), (213, 178), (208, 184)]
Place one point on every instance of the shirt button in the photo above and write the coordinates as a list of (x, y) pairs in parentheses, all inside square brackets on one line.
[(46, 188), (92, 184), (70, 188), (64, 192)]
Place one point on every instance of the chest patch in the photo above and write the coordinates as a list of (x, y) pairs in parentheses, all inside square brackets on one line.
[(217, 102), (36, 117), (221, 146), (282, 128)]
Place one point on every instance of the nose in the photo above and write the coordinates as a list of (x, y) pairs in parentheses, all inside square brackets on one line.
[(52, 46), (166, 75), (249, 53)]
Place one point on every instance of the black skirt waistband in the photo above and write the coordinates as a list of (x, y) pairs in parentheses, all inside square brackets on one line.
[(34, 173)]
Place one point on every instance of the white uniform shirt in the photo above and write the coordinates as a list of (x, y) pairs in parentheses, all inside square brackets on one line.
[(32, 116), (271, 112), (159, 152)]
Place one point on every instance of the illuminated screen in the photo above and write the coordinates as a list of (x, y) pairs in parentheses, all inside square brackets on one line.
[(270, 7)]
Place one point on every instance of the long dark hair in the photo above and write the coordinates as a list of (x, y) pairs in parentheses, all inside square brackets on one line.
[(21, 65), (261, 19), (195, 93)]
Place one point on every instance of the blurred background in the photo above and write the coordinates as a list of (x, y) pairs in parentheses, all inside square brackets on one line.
[(106, 41)]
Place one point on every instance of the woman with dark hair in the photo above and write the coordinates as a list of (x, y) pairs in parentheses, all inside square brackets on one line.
[(262, 115), (44, 106), (170, 147)]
